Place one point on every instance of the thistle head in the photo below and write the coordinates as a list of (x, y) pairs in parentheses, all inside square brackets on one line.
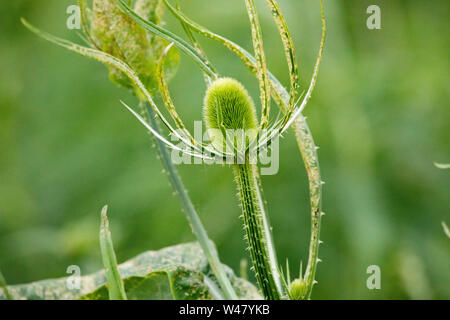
[(229, 114)]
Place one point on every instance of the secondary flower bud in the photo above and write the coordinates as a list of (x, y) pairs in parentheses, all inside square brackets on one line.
[(297, 290)]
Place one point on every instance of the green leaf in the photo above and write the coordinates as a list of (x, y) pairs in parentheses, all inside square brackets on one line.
[(177, 272), (115, 284)]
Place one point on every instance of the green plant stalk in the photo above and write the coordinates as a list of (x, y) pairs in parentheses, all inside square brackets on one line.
[(4, 286), (188, 208), (115, 284), (258, 233)]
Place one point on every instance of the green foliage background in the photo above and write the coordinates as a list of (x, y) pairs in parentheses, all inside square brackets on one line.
[(379, 113)]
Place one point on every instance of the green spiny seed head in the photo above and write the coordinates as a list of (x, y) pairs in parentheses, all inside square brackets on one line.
[(228, 103), (228, 108), (297, 289)]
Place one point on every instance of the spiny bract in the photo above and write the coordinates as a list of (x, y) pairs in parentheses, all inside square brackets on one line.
[(228, 106)]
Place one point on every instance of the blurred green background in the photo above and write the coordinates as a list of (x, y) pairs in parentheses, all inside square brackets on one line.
[(379, 113)]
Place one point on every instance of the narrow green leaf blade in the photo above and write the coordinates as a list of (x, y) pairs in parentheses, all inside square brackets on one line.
[(115, 285), (4, 286)]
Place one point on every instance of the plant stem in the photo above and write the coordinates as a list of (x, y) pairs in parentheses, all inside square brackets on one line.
[(115, 284), (188, 208), (258, 232)]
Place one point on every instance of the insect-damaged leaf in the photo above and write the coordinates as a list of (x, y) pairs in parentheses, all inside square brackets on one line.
[(176, 272), (115, 33)]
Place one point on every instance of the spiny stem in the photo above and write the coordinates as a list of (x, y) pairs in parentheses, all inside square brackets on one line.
[(258, 233), (190, 212)]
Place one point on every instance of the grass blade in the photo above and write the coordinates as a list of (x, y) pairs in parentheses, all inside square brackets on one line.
[(115, 284), (4, 286)]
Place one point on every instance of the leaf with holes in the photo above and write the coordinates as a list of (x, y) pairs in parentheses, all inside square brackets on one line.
[(178, 272)]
